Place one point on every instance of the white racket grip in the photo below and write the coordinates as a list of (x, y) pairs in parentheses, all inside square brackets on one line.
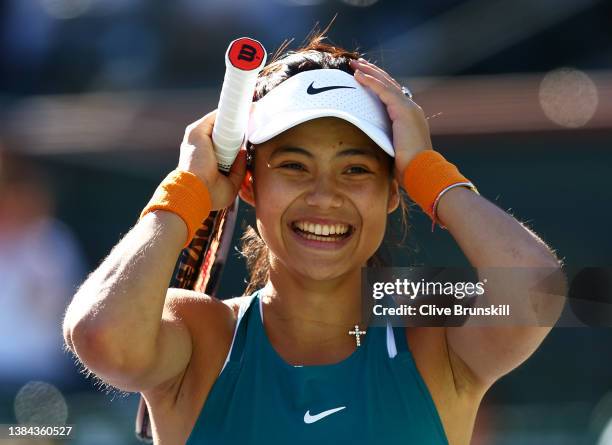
[(234, 107)]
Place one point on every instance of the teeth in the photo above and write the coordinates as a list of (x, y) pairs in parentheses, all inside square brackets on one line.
[(322, 229), (329, 239)]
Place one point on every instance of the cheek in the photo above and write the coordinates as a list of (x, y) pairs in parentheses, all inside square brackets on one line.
[(271, 196), (374, 217), (271, 202), (373, 210)]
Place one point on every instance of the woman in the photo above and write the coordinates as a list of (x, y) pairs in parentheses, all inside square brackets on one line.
[(332, 140)]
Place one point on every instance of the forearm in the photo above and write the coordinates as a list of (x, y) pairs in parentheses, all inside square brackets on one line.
[(520, 269), (119, 306), (488, 236)]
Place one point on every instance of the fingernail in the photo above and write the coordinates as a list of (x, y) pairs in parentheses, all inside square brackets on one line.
[(361, 59)]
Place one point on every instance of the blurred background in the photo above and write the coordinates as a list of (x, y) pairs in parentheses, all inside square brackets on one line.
[(94, 99)]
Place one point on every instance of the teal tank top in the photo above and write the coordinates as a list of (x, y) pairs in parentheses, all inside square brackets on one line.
[(376, 395)]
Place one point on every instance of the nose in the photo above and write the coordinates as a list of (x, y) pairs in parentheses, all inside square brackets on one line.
[(324, 194)]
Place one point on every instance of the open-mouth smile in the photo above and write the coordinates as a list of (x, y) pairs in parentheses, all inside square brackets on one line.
[(314, 234)]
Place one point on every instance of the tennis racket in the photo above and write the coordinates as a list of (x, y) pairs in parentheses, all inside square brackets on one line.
[(200, 265)]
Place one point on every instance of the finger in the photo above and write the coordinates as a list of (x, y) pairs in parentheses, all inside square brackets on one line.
[(201, 130), (375, 71), (380, 70), (376, 86), (238, 169), (204, 125), (388, 95)]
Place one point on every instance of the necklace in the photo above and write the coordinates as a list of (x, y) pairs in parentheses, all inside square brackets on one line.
[(357, 333)]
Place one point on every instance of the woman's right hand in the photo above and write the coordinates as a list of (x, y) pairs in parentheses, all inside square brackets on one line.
[(198, 157)]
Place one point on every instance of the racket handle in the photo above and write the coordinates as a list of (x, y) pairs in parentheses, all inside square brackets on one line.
[(244, 60)]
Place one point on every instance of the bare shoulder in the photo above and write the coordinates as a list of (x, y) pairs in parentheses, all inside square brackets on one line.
[(208, 319), (175, 404), (185, 298), (210, 325), (235, 303), (455, 392)]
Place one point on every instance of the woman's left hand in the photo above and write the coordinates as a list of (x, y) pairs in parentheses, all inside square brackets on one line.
[(410, 129)]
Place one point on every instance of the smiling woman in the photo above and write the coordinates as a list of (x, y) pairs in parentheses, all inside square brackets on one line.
[(322, 178), (335, 187), (331, 140), (327, 66)]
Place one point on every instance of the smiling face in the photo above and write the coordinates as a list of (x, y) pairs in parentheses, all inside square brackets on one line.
[(322, 191)]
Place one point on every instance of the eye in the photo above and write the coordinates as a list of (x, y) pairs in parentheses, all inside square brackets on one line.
[(357, 170), (292, 166)]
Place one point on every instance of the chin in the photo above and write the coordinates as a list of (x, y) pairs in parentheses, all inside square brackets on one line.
[(322, 273)]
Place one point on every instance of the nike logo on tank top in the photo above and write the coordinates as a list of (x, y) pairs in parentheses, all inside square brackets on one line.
[(310, 418), (376, 395)]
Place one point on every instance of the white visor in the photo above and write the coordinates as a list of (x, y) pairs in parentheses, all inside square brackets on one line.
[(320, 93)]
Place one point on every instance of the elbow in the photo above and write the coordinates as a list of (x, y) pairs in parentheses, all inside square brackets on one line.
[(549, 295), (537, 256), (68, 327), (101, 351), (67, 334)]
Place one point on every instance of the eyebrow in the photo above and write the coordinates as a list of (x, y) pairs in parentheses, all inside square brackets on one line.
[(344, 153)]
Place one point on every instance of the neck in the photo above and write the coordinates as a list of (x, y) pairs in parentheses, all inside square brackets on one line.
[(310, 313)]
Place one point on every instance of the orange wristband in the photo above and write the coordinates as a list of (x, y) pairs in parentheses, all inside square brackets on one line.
[(185, 195), (427, 176)]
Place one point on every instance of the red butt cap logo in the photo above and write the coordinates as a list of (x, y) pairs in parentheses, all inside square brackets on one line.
[(246, 54)]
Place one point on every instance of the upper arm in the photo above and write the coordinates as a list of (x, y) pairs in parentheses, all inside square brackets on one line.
[(187, 317), (487, 353)]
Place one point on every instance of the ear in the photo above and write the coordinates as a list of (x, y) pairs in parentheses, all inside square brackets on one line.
[(246, 189), (394, 196)]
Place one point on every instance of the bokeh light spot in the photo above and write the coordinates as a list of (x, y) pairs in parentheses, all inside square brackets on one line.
[(65, 9), (40, 403), (568, 97)]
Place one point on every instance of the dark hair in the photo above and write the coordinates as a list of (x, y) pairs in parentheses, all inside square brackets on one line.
[(315, 54)]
